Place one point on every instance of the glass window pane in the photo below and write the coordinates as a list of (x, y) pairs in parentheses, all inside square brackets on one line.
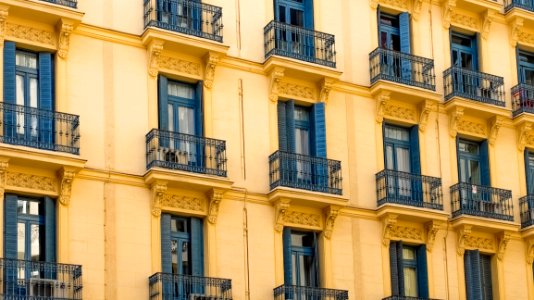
[(33, 92), (180, 89), (27, 60), (21, 241), (302, 239), (389, 158), (20, 90), (35, 243), (384, 40), (21, 206), (403, 159), (33, 208), (410, 282), (186, 120), (170, 110), (294, 271), (395, 42), (305, 263), (178, 225), (297, 17), (467, 61), (302, 143), (174, 256), (408, 253), (474, 172), (185, 258)]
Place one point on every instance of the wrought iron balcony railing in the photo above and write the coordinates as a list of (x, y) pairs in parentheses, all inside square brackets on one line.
[(39, 128), (305, 172), (185, 16), (179, 151), (522, 99), (473, 85), (299, 43), (408, 189), (27, 280), (524, 4), (526, 206), (166, 286), (482, 201), (67, 3), (406, 298), (402, 68), (290, 292)]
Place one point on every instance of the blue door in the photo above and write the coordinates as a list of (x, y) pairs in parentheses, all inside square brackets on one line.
[(301, 266), (473, 169), (298, 13), (397, 158), (464, 55)]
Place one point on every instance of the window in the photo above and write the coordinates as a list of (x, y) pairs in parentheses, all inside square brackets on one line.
[(525, 67), (394, 34), (28, 83), (182, 245), (408, 270), (301, 266), (529, 166), (186, 14), (464, 52), (477, 268), (473, 165)]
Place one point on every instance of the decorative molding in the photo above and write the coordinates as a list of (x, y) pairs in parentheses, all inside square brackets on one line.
[(4, 12), (212, 59), (526, 38), (530, 250), (465, 21), (448, 8), (454, 118), (427, 107), (432, 229), (326, 87), (503, 243), (381, 101), (4, 164), (463, 233), (400, 112), (65, 29), (29, 181), (302, 218), (281, 207), (477, 242), (30, 34), (158, 192), (472, 127), (388, 223), (295, 90), (215, 198), (416, 9), (180, 201), (406, 232), (515, 29), (488, 18), (523, 133), (373, 4), (67, 177), (276, 77), (494, 125), (400, 4), (331, 214), (154, 52), (179, 65)]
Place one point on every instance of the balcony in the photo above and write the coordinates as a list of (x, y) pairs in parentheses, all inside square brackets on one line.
[(38, 128), (481, 201), (526, 206), (178, 151), (286, 292), (406, 298), (305, 172), (523, 4), (299, 43), (477, 86), (408, 189), (402, 68), (166, 286), (27, 280), (67, 3), (522, 99), (185, 16)]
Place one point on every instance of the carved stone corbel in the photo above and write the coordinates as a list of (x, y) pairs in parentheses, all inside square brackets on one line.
[(326, 87), (381, 102), (276, 76), (495, 124), (215, 198), (281, 207), (462, 233), (388, 222), (426, 108), (63, 40), (154, 52), (454, 118), (448, 7), (530, 250), (488, 18), (515, 30), (212, 59), (4, 164), (4, 12), (522, 134), (331, 214), (373, 4), (503, 243), (158, 190), (432, 229), (416, 9), (66, 177)]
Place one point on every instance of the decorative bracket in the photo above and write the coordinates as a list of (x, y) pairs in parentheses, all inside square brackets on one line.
[(416, 8), (4, 164), (158, 190), (515, 30), (373, 4), (495, 124), (215, 196), (448, 7), (388, 222), (4, 12), (326, 87), (426, 108), (212, 59), (281, 207), (66, 177), (530, 250), (65, 29), (331, 214), (463, 233), (381, 102), (454, 119), (522, 134), (154, 51), (276, 76), (503, 243), (488, 18), (432, 229)]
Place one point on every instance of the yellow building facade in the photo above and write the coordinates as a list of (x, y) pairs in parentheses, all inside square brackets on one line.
[(290, 148)]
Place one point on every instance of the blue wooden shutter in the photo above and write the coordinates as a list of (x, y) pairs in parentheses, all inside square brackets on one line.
[(319, 129), (197, 248), (308, 14), (282, 127), (458, 163), (414, 150), (290, 125), (520, 78), (394, 268), (46, 122), (475, 51), (529, 171), (166, 257), (50, 229), (378, 13), (404, 30), (484, 164), (10, 226), (199, 109), (163, 103), (315, 269), (400, 268), (288, 265), (472, 275), (485, 268), (422, 276), (10, 87)]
